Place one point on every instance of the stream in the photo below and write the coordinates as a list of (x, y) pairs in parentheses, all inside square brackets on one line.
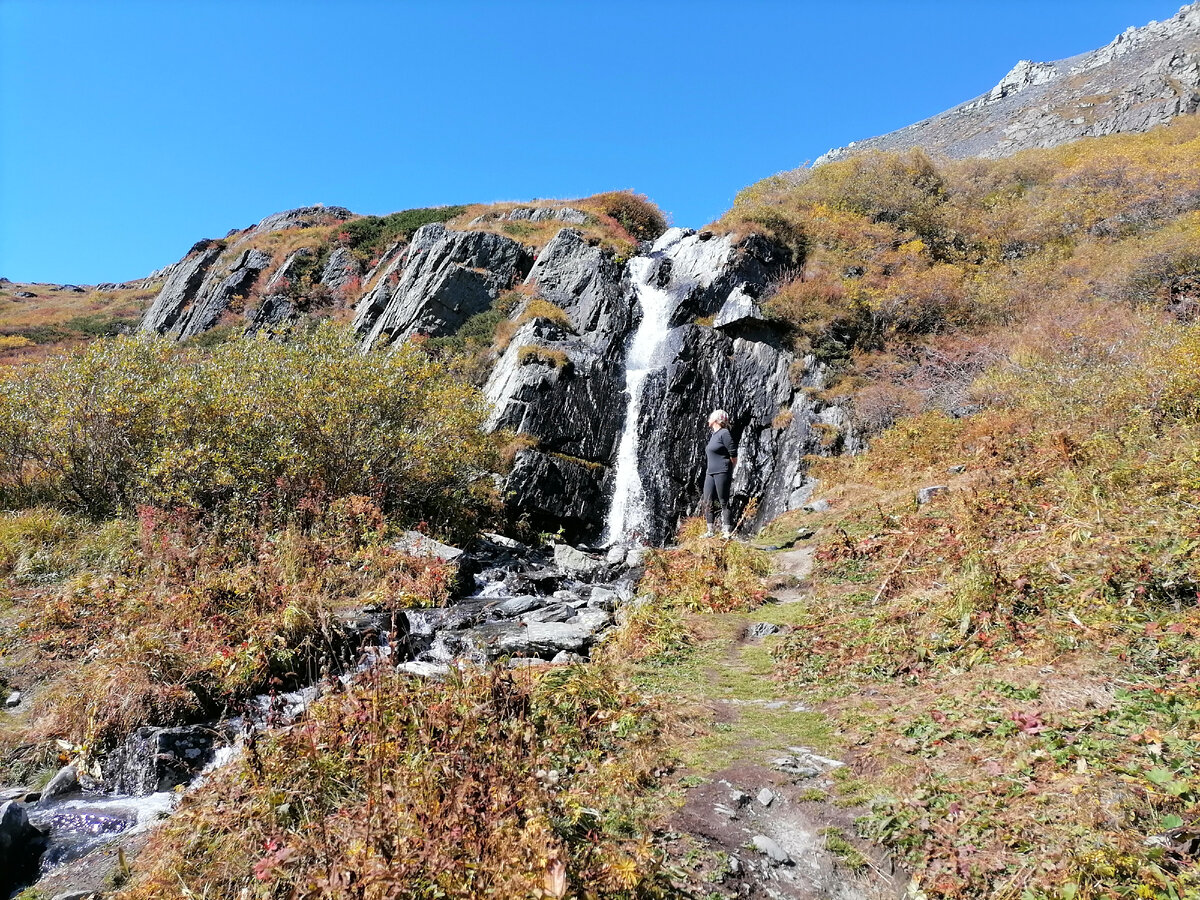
[(529, 606)]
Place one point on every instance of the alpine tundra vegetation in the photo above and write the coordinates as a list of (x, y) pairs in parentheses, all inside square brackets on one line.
[(357, 556)]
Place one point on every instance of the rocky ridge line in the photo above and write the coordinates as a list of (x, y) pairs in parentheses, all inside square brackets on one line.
[(1143, 78)]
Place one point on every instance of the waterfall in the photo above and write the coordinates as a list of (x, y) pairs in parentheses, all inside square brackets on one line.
[(628, 513)]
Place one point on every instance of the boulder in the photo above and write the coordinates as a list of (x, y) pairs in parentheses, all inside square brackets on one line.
[(573, 636), (413, 543), (770, 849), (158, 759), (441, 280), (21, 846), (576, 561), (926, 494), (66, 781)]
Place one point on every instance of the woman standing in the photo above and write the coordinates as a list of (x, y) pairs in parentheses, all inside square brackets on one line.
[(722, 457)]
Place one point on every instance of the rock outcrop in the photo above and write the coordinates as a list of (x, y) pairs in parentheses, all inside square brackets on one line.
[(21, 845), (1145, 77), (214, 279), (562, 383), (440, 281)]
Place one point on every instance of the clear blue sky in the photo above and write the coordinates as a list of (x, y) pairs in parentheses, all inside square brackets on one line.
[(129, 130)]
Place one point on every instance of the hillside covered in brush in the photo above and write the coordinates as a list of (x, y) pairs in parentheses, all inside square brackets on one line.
[(967, 398)]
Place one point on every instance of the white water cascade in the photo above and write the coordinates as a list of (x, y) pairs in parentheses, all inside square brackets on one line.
[(628, 512)]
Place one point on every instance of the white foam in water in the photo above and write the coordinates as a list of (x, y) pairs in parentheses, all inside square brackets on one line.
[(627, 514)]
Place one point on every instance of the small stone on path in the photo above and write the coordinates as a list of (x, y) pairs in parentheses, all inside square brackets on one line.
[(772, 850), (766, 797)]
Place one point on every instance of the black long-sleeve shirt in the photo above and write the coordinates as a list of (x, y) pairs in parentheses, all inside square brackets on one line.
[(720, 450)]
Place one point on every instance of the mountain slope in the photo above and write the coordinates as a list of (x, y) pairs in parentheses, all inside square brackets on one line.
[(1144, 77)]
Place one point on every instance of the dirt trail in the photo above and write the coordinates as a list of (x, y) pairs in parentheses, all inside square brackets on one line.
[(760, 809)]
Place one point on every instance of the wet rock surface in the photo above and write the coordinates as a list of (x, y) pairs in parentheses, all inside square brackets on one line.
[(21, 846), (527, 605)]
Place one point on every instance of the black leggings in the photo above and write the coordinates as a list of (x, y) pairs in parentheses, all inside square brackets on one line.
[(716, 487)]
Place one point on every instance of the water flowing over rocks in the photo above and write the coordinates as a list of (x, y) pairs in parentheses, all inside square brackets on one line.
[(441, 280), (617, 409), (527, 605)]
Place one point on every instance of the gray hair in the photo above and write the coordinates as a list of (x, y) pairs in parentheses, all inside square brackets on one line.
[(719, 416)]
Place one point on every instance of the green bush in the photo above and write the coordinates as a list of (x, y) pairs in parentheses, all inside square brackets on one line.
[(642, 219), (250, 429), (369, 236)]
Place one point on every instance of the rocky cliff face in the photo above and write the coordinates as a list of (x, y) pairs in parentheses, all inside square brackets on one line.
[(441, 280), (1143, 78), (212, 282), (573, 393), (610, 398)]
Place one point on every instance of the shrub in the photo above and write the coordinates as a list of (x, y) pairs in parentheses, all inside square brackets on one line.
[(538, 308), (251, 428), (636, 214), (168, 621), (486, 785), (547, 356), (708, 575)]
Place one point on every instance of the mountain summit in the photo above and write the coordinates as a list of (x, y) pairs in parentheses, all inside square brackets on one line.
[(1144, 77)]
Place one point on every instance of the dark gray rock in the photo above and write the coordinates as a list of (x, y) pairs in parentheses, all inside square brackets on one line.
[(276, 308), (574, 409), (587, 283), (574, 635), (66, 781), (926, 494), (708, 370), (341, 270), (442, 279), (187, 306), (763, 629), (737, 312), (413, 543), (21, 846), (304, 217), (158, 759), (552, 492), (181, 288), (558, 612), (24, 295), (1143, 78), (576, 562), (519, 605)]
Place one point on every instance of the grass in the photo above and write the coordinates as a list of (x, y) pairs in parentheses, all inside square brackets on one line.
[(32, 327), (536, 792), (616, 221)]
